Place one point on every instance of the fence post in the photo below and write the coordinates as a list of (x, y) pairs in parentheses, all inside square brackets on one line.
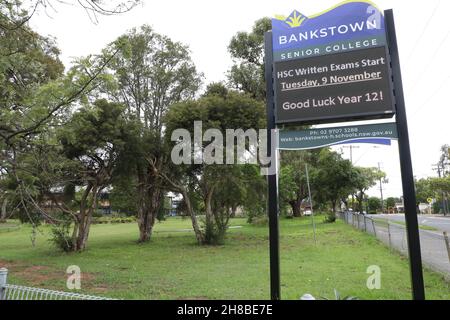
[(365, 224), (3, 278), (447, 244), (389, 234), (373, 227)]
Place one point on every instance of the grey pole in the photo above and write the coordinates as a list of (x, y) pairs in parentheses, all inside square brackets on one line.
[(3, 279), (409, 195), (310, 202), (272, 205)]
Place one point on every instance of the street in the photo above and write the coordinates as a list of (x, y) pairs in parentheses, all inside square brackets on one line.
[(439, 222)]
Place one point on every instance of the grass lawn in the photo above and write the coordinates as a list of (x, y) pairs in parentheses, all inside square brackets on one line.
[(172, 266)]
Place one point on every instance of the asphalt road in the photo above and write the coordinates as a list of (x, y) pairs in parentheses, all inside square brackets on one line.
[(441, 223), (432, 243)]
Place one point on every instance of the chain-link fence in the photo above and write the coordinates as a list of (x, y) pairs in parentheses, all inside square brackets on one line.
[(14, 292), (435, 246)]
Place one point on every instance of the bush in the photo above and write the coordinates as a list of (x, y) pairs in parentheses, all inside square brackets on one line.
[(214, 235), (260, 221), (330, 218), (61, 236), (106, 220)]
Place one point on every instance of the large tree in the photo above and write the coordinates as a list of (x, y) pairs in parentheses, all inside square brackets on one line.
[(363, 180), (247, 52), (149, 72), (293, 181), (332, 177), (35, 95), (215, 184)]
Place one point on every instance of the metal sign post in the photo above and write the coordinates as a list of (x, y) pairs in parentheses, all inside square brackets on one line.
[(310, 203), (409, 195), (272, 178)]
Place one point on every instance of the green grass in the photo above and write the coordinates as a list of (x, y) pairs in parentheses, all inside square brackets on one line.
[(384, 222), (9, 225), (172, 266)]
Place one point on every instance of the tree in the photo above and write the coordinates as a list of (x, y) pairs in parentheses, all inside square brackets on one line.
[(332, 178), (440, 184), (149, 73), (32, 89), (424, 189), (374, 204), (35, 97), (293, 188), (20, 12), (93, 140), (208, 182), (364, 179), (247, 51), (390, 202)]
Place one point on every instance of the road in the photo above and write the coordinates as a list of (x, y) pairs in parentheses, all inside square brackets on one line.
[(441, 223), (432, 243)]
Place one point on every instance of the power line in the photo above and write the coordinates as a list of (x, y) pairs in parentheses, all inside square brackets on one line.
[(431, 60), (431, 97), (424, 30)]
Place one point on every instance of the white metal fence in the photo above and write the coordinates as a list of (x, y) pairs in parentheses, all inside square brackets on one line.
[(435, 246), (15, 292)]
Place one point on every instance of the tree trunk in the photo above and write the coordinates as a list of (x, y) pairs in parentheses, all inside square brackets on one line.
[(208, 207), (195, 225), (333, 206), (85, 217), (150, 196), (295, 205), (3, 212), (233, 211), (360, 202)]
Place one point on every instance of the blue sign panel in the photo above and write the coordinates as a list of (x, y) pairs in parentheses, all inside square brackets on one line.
[(379, 133), (348, 26)]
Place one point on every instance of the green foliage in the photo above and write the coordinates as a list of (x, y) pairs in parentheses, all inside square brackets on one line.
[(425, 188), (363, 179), (332, 178), (214, 234), (221, 188), (106, 220), (247, 50), (259, 220), (330, 217), (390, 202), (440, 184), (60, 234), (374, 205), (293, 188)]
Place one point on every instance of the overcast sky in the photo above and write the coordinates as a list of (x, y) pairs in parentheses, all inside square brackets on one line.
[(423, 32)]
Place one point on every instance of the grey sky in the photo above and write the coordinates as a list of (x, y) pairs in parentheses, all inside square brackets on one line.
[(206, 26)]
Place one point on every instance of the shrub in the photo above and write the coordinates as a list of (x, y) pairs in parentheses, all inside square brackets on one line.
[(330, 217), (260, 221), (213, 234), (61, 236), (106, 220)]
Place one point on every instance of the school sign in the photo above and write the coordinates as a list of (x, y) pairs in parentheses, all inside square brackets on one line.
[(339, 65), (332, 66)]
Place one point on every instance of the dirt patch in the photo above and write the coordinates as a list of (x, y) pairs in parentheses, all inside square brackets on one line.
[(39, 275)]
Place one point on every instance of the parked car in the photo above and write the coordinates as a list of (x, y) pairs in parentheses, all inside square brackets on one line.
[(307, 212)]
